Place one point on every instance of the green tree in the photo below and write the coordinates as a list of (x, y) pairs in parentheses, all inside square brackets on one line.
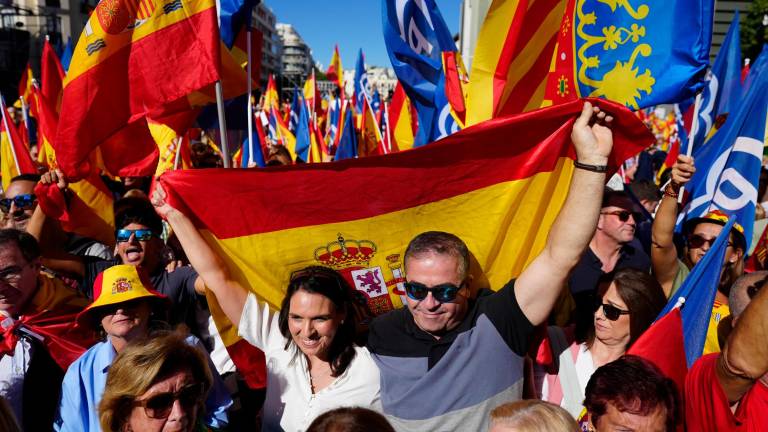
[(753, 33)]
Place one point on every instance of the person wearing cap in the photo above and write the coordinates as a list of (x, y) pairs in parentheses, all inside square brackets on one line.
[(126, 309), (700, 233)]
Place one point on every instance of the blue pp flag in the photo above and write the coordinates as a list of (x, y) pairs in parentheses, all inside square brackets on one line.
[(303, 133), (233, 16), (252, 154), (348, 140), (416, 37), (722, 92), (66, 55), (362, 86), (293, 121), (728, 166), (697, 295), (334, 117), (375, 101)]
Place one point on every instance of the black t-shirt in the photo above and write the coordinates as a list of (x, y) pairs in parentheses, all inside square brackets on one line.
[(178, 286)]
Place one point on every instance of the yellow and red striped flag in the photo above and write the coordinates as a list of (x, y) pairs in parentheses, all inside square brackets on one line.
[(15, 159), (357, 215), (335, 73), (52, 76), (401, 130), (512, 59), (135, 59), (25, 85), (371, 142)]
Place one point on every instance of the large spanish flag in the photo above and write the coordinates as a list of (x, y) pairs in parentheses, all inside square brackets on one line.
[(512, 58), (15, 158), (498, 185), (135, 58)]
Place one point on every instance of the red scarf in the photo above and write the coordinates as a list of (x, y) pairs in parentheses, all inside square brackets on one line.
[(50, 318)]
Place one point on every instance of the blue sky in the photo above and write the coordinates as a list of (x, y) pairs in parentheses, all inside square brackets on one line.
[(353, 24)]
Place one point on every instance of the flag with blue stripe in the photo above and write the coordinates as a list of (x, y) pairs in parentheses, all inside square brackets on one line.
[(233, 15), (722, 92), (362, 86), (66, 55), (728, 167), (697, 295), (303, 134), (416, 37), (252, 154), (348, 140), (293, 121)]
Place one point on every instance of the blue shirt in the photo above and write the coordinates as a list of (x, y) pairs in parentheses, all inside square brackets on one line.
[(86, 379)]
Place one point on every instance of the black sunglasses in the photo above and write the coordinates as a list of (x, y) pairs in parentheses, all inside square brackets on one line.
[(159, 406), (24, 201), (624, 215), (696, 241), (444, 293), (612, 312)]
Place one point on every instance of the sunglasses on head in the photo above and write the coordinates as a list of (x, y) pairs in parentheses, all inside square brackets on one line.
[(624, 215), (123, 235), (612, 312), (24, 201), (444, 293), (159, 405), (696, 241)]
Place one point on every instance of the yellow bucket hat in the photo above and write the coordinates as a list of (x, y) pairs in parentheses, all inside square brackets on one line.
[(119, 284)]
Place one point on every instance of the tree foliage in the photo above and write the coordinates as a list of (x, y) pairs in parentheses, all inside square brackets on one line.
[(753, 33)]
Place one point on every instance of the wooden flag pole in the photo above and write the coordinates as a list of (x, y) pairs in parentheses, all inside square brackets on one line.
[(691, 136)]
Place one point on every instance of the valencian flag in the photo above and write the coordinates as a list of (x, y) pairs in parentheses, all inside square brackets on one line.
[(335, 73), (88, 212), (728, 166), (639, 53), (358, 215), (420, 46), (135, 59), (14, 157), (512, 57)]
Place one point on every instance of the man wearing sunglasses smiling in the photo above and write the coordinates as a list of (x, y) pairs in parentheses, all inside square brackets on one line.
[(451, 356), (19, 201)]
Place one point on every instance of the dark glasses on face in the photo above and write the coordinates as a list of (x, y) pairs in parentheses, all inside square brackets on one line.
[(24, 201), (444, 293), (124, 235), (159, 406), (612, 312), (624, 215), (696, 241)]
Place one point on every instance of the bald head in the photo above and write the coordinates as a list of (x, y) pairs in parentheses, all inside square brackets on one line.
[(744, 289)]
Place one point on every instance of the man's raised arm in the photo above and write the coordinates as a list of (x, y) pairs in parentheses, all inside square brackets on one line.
[(539, 285)]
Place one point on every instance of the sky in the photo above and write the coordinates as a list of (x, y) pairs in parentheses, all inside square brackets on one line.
[(352, 24)]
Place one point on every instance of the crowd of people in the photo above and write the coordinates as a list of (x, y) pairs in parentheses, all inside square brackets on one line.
[(121, 339)]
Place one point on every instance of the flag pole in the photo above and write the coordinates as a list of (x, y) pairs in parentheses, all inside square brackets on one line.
[(177, 158), (694, 127), (250, 97), (222, 125), (386, 121), (8, 132)]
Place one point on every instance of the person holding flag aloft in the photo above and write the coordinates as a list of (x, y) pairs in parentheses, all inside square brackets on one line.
[(700, 233)]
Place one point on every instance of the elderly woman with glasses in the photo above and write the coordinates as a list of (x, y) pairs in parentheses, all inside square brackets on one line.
[(126, 310), (313, 364), (159, 385), (629, 301)]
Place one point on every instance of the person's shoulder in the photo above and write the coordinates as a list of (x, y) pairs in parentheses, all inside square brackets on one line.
[(703, 368), (391, 320)]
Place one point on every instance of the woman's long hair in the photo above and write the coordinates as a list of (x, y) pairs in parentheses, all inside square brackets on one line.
[(328, 283)]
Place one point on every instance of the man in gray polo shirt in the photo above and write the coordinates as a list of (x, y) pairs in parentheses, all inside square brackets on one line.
[(448, 359)]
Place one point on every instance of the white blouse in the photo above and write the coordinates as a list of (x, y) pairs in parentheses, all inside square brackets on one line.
[(290, 404)]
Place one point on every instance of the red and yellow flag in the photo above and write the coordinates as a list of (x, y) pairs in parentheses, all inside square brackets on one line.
[(357, 215), (371, 142), (89, 211), (15, 159), (173, 147), (135, 58), (335, 73), (271, 98), (52, 76), (401, 130), (25, 85), (512, 59)]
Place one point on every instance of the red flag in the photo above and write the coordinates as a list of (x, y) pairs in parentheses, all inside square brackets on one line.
[(662, 344), (52, 76), (745, 70), (14, 157), (131, 64)]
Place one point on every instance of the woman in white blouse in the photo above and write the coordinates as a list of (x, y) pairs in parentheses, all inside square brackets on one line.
[(313, 365)]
